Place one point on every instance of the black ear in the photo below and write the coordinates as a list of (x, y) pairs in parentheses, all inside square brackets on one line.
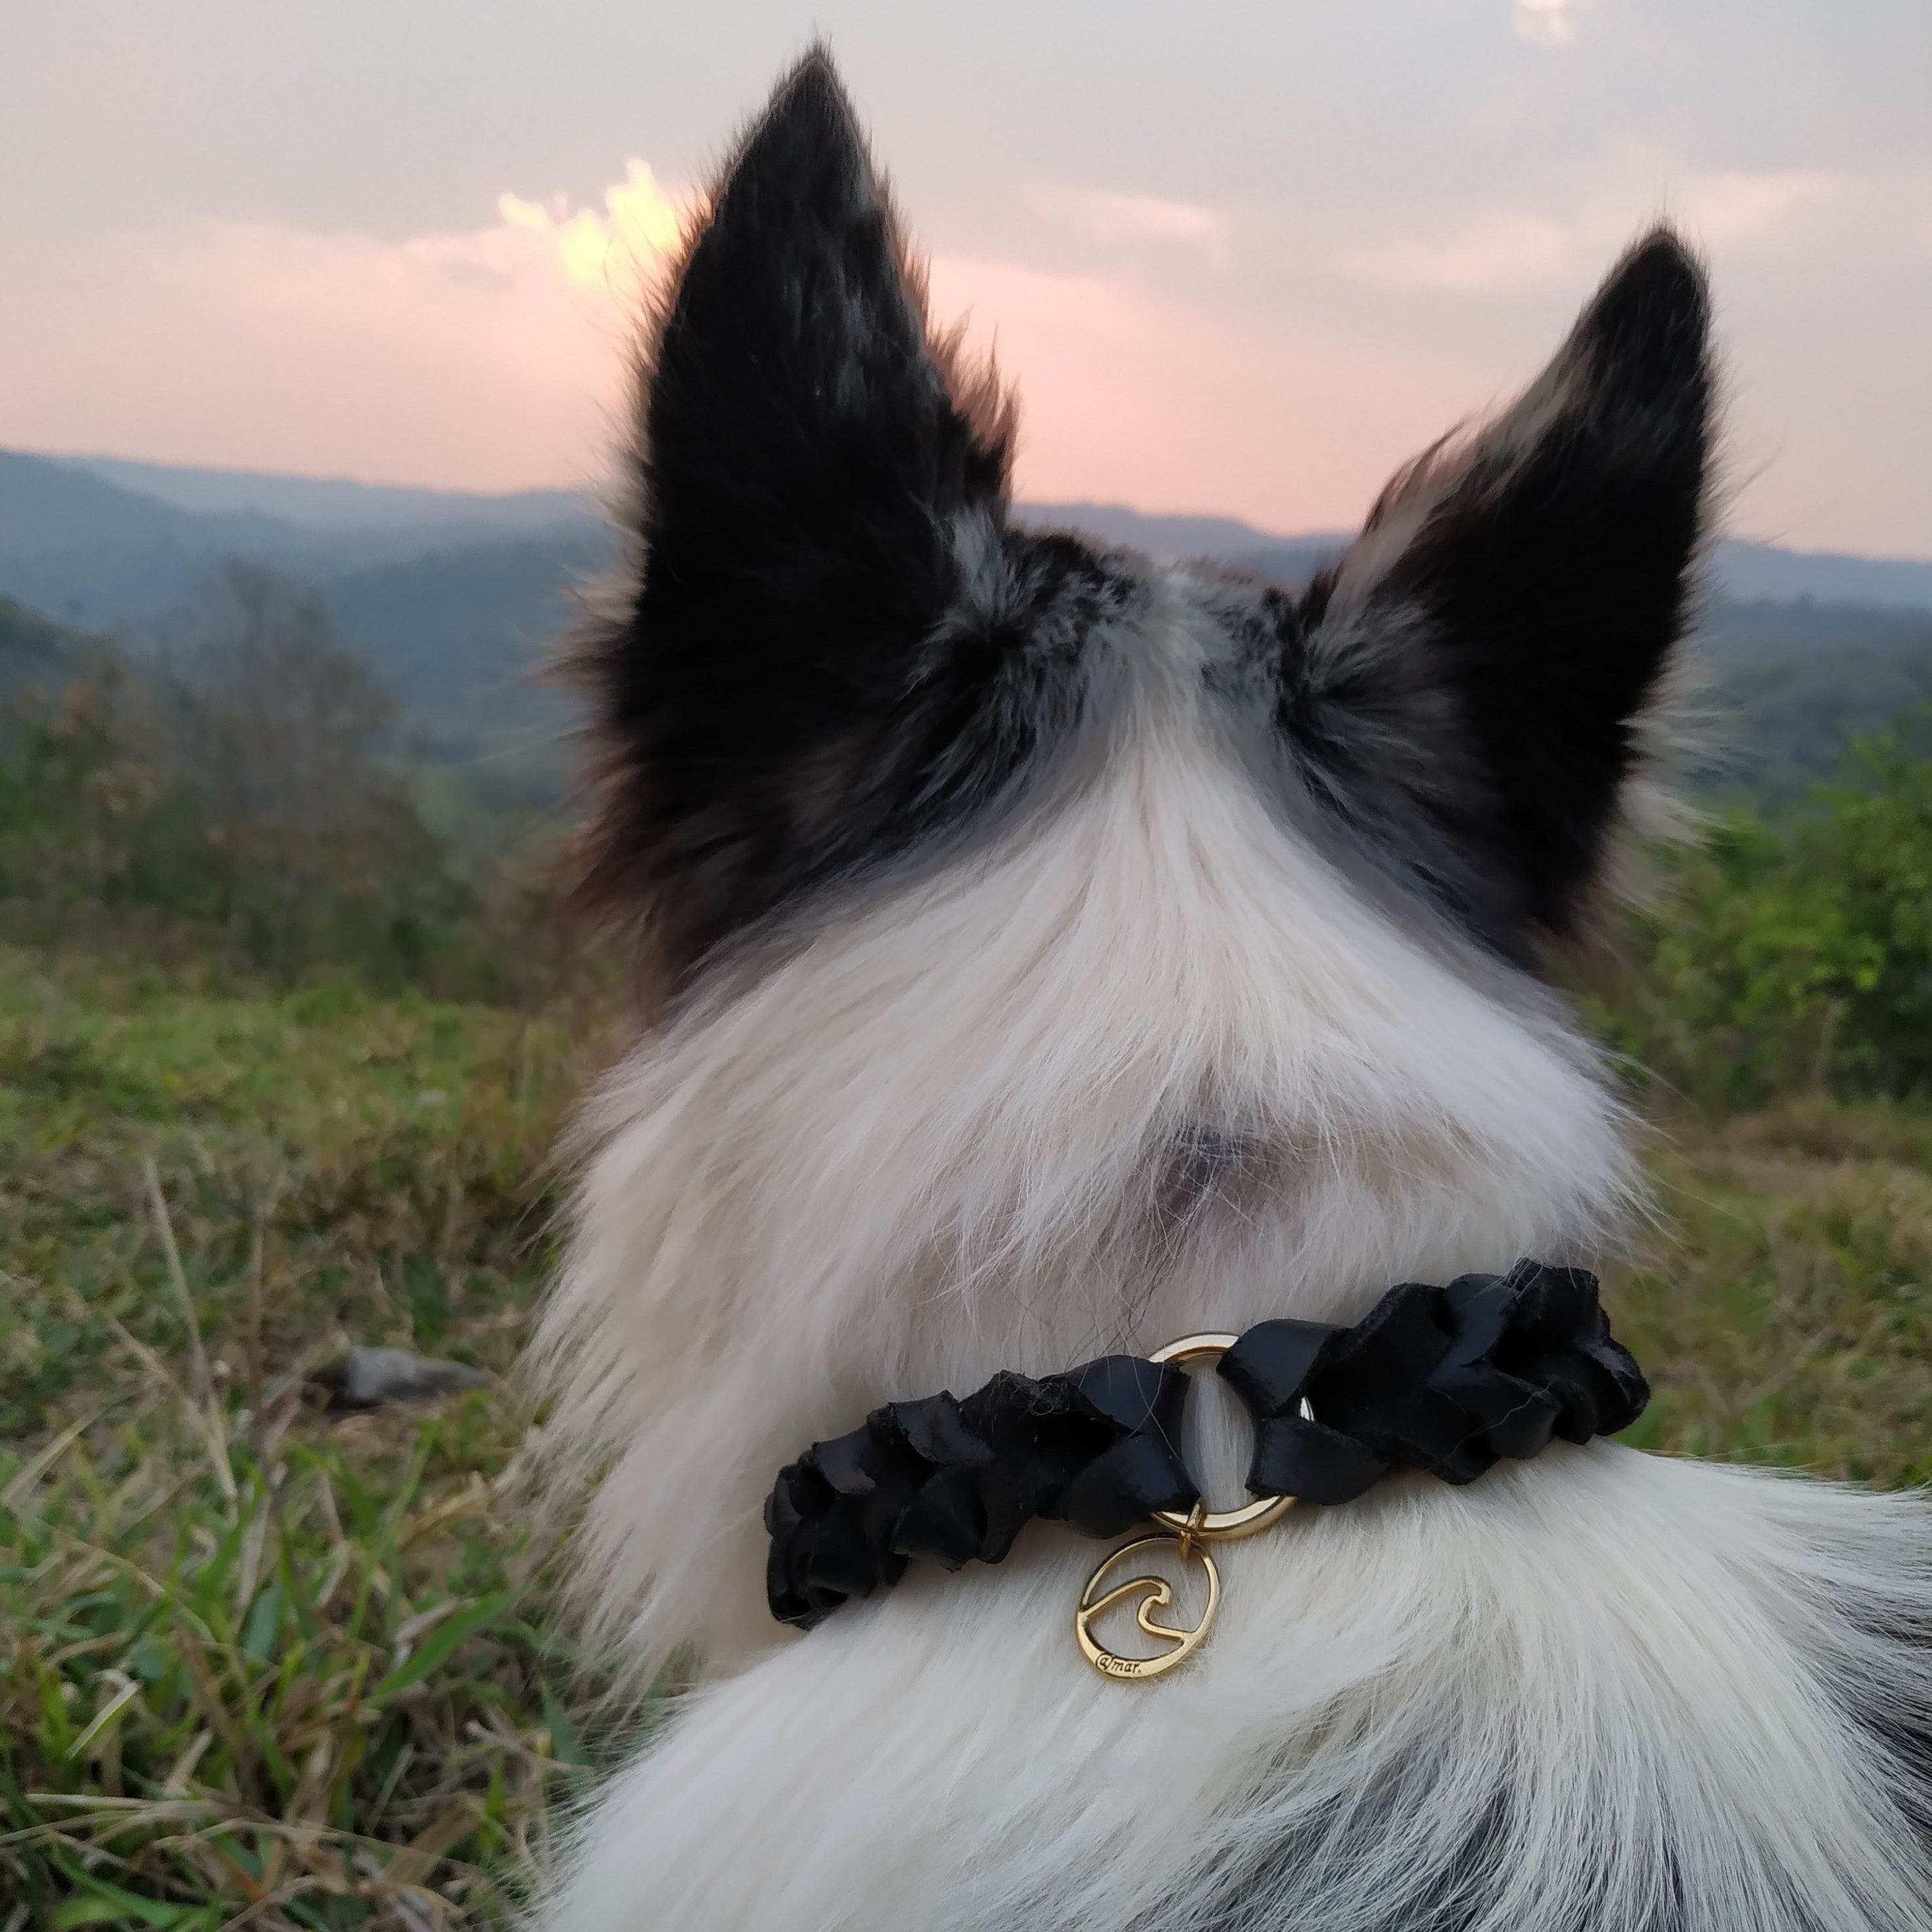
[(1467, 686), (821, 494)]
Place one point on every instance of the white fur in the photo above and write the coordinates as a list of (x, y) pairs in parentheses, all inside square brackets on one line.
[(929, 1140)]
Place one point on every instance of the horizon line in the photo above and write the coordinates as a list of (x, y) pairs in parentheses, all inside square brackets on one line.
[(591, 492)]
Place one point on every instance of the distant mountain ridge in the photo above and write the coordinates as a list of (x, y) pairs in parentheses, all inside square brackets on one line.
[(100, 540), (1223, 538), (457, 599), (96, 552), (56, 505), (337, 502), (1766, 572)]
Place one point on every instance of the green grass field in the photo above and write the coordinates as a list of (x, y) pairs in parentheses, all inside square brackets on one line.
[(257, 1666), (260, 1667)]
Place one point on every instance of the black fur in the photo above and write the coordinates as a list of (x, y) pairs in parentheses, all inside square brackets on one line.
[(1878, 1692), (836, 647), (1469, 701), (809, 679)]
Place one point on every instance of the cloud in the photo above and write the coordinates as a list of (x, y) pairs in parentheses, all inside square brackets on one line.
[(498, 355), (1114, 218), (1505, 249), (641, 223), (1734, 208), (1548, 23), (494, 357)]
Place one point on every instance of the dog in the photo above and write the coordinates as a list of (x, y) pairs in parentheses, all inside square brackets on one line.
[(1048, 951)]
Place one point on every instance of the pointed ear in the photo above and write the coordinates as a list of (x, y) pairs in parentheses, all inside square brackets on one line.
[(1471, 677), (816, 477)]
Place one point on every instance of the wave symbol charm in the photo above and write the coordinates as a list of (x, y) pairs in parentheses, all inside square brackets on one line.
[(1184, 1537), (1156, 1593)]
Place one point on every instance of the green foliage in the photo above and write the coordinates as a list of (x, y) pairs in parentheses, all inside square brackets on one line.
[(389, 1151), (242, 1672), (252, 1660), (255, 1665), (1794, 952), (284, 828), (1783, 1306), (242, 793), (1793, 685)]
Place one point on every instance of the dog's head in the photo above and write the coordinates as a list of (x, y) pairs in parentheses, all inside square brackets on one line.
[(843, 656), (1057, 949)]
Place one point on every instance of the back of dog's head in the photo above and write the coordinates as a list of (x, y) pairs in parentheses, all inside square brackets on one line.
[(1046, 944), (1053, 950)]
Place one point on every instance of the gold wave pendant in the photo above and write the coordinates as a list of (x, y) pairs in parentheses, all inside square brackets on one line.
[(1156, 1593), (1188, 1535)]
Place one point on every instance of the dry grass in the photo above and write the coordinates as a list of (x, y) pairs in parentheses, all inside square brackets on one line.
[(260, 1668), (257, 1666), (1785, 1309), (308, 1685)]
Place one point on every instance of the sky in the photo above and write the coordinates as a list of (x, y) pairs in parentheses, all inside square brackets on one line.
[(1238, 256)]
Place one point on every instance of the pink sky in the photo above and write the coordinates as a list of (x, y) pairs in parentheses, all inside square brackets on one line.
[(493, 358), (1185, 332)]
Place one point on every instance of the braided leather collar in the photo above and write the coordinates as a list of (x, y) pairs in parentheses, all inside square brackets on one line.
[(1444, 1379)]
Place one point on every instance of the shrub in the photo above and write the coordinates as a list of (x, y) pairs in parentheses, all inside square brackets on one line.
[(244, 789), (1795, 952)]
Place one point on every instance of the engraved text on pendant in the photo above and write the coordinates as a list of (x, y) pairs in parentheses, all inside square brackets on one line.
[(1155, 1593)]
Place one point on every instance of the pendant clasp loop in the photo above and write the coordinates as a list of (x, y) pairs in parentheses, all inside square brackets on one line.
[(1199, 1527)]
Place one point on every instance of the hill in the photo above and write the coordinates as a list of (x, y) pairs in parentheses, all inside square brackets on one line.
[(35, 653), (107, 537), (1760, 629), (338, 503), (1739, 570), (1788, 686), (460, 633), (103, 553), (456, 598), (1221, 538)]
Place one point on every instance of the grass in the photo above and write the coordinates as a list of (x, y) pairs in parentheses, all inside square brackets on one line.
[(258, 1667), (313, 1689), (391, 1151), (1784, 1308)]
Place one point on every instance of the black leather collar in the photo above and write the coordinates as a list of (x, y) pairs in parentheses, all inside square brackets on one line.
[(1444, 1379)]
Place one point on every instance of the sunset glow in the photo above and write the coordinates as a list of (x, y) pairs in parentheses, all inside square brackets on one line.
[(1252, 273), (640, 225)]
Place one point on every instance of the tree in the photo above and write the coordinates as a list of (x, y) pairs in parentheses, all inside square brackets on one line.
[(240, 778)]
